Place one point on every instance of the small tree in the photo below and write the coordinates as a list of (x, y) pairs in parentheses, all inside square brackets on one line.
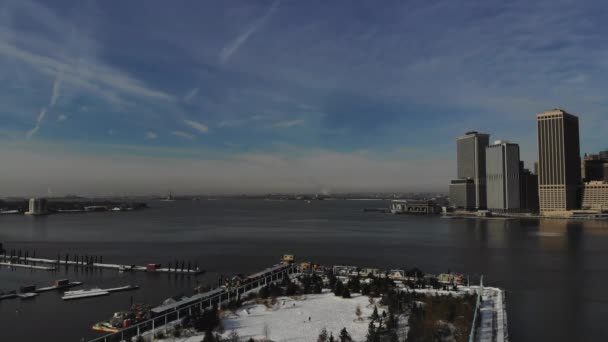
[(345, 336), (331, 337), (375, 314), (322, 336), (371, 301), (358, 313), (371, 332), (339, 289), (345, 293)]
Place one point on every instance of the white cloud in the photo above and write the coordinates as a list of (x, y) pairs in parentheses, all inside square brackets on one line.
[(62, 118), (183, 135), (288, 124), (234, 46), (201, 128), (34, 130), (191, 94), (151, 135)]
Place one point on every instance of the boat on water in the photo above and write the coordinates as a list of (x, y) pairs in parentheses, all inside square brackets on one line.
[(59, 285), (124, 319), (27, 295), (123, 288), (80, 294), (97, 292)]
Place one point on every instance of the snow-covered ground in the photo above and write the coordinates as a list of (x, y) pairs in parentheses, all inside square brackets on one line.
[(289, 321)]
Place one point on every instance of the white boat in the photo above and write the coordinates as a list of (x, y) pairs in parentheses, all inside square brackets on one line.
[(79, 294), (27, 295)]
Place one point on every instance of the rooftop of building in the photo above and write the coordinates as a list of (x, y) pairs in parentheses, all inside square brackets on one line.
[(555, 112)]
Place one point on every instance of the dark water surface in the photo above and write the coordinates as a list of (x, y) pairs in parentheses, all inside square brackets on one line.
[(555, 272)]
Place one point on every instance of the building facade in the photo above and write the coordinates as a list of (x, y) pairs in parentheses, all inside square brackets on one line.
[(528, 189), (471, 155), (462, 194), (425, 207), (502, 177), (595, 168), (559, 177), (595, 196), (37, 206)]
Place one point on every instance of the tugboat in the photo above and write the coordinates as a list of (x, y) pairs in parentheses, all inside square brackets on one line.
[(124, 319)]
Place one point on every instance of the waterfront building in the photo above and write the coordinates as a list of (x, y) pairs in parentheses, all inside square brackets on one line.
[(559, 176), (595, 196), (425, 207), (528, 189), (471, 164), (37, 206), (462, 194), (595, 167), (502, 177)]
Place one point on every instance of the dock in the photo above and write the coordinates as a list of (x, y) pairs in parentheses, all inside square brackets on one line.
[(29, 262), (33, 267), (81, 294)]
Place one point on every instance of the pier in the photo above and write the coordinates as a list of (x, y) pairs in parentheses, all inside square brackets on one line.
[(33, 267), (92, 262), (165, 315)]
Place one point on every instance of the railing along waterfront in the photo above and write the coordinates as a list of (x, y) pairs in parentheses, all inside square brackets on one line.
[(162, 322), (476, 318)]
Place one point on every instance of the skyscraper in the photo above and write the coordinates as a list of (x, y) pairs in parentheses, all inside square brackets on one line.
[(559, 161), (472, 163), (502, 180)]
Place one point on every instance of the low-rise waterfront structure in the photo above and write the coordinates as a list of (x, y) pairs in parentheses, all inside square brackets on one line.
[(426, 207), (595, 196)]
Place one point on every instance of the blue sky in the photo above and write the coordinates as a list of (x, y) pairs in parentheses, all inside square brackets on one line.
[(284, 95)]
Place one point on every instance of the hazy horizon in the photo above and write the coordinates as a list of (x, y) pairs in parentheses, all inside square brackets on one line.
[(102, 98)]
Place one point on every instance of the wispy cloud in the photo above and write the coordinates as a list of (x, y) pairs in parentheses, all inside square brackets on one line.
[(56, 89), (201, 128), (287, 124), (62, 118), (191, 94), (234, 46), (183, 135), (34, 130), (151, 135)]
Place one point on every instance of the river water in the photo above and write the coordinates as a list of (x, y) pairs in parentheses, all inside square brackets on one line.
[(555, 271)]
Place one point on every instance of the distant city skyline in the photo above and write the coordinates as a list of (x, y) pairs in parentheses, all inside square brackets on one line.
[(283, 96)]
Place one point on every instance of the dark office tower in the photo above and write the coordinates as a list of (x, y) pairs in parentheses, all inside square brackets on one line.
[(528, 189), (559, 161), (472, 163), (595, 168)]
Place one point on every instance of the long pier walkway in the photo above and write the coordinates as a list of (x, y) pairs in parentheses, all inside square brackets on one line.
[(29, 262), (165, 315)]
